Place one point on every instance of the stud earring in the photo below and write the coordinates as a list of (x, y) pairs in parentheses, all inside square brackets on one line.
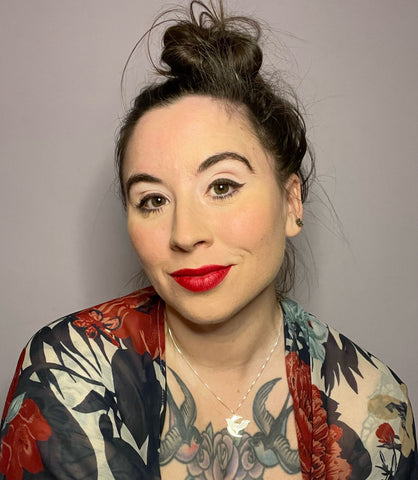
[(299, 222)]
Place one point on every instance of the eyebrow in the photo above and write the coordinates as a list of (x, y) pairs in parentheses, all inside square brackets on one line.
[(209, 162), (140, 177), (219, 157)]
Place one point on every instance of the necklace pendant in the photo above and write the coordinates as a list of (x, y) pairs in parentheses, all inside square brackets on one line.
[(234, 428)]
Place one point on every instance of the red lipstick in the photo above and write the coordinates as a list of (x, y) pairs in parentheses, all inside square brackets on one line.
[(201, 279)]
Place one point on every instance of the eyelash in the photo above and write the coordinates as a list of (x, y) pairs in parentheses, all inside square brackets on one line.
[(145, 210), (141, 206)]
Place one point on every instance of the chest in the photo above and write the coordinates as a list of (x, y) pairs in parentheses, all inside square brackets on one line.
[(202, 439)]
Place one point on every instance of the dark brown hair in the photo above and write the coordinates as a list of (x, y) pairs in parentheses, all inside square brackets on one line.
[(206, 52)]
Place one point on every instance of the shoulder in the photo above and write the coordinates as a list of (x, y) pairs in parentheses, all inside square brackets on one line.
[(75, 385), (87, 344), (84, 347), (364, 400), (131, 319), (336, 362), (327, 347)]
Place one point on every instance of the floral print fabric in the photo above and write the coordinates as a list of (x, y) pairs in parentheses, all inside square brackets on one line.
[(88, 400)]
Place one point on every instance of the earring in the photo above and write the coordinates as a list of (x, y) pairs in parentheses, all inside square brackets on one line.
[(299, 222)]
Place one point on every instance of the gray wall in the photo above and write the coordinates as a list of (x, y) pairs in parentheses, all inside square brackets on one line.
[(63, 243)]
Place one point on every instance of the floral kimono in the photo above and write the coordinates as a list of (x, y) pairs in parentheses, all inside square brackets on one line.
[(89, 398)]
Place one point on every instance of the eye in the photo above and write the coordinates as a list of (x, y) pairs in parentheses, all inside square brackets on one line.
[(152, 203), (224, 188)]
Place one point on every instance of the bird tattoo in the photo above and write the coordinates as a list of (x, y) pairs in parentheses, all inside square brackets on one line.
[(182, 439), (271, 445)]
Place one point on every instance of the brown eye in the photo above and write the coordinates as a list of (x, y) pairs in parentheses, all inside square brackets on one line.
[(224, 188), (152, 203), (157, 202), (221, 188)]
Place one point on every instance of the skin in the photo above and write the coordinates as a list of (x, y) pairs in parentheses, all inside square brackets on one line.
[(193, 226), (266, 454), (190, 204)]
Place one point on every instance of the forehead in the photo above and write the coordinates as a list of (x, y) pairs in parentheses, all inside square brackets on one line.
[(189, 130)]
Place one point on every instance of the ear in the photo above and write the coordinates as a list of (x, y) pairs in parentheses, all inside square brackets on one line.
[(294, 205)]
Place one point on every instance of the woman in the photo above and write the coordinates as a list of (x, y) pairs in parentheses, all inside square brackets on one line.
[(211, 372)]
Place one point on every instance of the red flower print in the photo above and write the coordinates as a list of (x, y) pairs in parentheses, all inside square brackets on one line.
[(92, 320), (319, 450), (299, 376), (134, 316), (19, 449), (385, 434)]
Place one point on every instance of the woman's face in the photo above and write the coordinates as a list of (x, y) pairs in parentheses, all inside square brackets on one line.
[(205, 213)]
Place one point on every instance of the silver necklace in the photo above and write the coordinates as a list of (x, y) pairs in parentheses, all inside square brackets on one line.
[(236, 424)]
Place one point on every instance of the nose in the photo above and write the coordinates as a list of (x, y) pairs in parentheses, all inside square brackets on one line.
[(190, 228)]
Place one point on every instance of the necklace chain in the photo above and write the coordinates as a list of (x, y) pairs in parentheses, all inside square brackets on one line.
[(273, 348)]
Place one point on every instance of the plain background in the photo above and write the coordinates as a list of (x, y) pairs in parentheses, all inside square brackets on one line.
[(63, 243)]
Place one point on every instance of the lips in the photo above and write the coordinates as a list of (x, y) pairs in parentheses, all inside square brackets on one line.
[(201, 279)]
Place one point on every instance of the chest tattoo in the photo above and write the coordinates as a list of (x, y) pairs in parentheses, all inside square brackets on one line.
[(231, 452)]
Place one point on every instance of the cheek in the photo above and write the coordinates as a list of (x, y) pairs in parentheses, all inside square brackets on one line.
[(148, 242), (255, 229)]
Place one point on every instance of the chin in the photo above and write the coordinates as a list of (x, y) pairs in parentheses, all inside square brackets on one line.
[(197, 311), (216, 307)]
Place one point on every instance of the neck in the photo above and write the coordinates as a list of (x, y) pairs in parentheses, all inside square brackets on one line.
[(230, 343)]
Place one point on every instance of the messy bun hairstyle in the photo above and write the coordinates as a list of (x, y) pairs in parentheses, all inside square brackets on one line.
[(206, 52)]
